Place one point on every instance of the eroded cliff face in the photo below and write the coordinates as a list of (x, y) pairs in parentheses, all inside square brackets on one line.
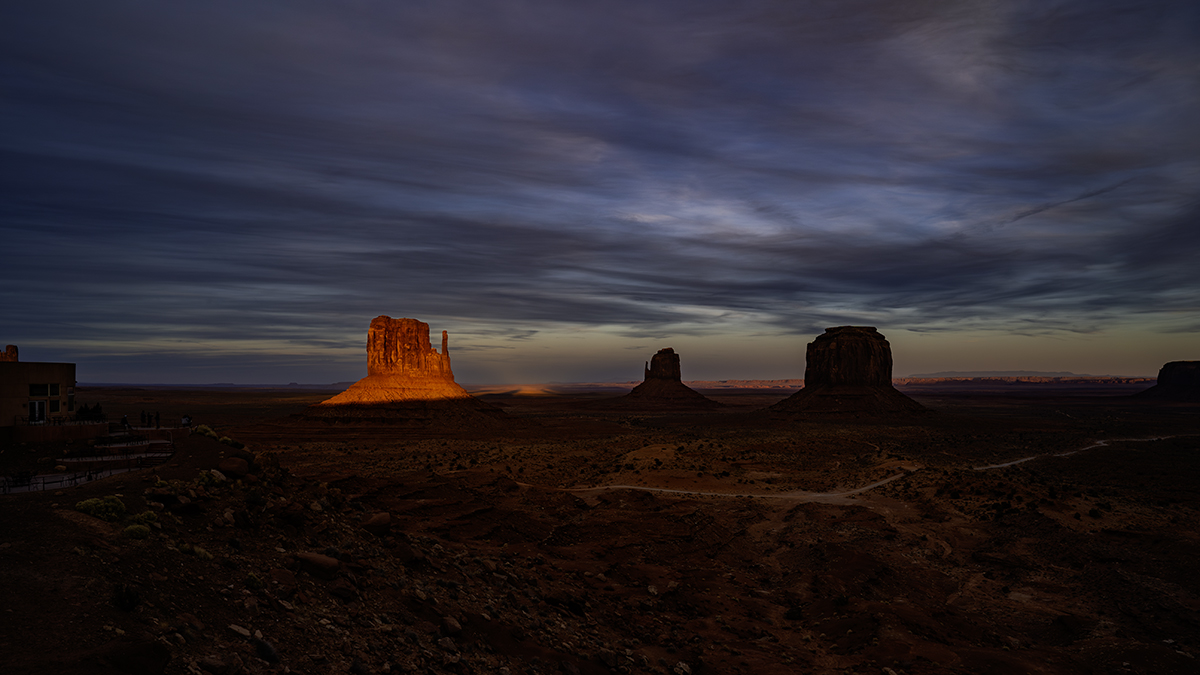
[(401, 347), (9, 354), (849, 355), (848, 370), (402, 366), (664, 365)]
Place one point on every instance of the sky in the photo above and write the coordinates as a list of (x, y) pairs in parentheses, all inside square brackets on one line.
[(199, 192)]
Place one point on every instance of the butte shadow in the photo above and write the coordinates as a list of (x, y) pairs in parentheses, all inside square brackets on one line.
[(408, 383), (848, 372), (662, 389)]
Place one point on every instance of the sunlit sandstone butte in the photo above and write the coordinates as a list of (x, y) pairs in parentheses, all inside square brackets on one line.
[(402, 366), (848, 370)]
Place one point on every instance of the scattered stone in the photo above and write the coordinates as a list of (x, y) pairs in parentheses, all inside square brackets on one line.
[(244, 632), (451, 626)]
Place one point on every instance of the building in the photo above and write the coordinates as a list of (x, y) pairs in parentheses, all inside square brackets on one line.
[(37, 400)]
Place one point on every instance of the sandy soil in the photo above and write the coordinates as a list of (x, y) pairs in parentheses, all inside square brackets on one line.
[(579, 540)]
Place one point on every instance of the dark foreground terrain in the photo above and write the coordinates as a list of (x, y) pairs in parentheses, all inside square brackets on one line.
[(583, 540)]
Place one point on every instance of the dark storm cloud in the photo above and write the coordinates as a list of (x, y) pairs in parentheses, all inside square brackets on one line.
[(224, 172)]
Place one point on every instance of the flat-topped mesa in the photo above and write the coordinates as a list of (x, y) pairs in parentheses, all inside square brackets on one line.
[(10, 354), (663, 366), (402, 366), (663, 386), (848, 369), (849, 355), (1177, 380)]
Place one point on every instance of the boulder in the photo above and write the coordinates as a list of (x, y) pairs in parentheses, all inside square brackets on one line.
[(848, 370), (318, 565), (378, 524), (1177, 381), (234, 466)]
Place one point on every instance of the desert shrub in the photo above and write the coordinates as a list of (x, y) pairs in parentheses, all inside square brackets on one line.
[(207, 478), (201, 553), (108, 508), (137, 532), (145, 518), (232, 443), (205, 430)]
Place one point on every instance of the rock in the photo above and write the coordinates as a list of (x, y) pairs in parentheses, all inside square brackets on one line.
[(401, 366), (10, 354), (285, 579), (663, 387), (212, 664), (408, 383), (848, 370), (451, 626), (1177, 381), (244, 632), (849, 355), (407, 554), (318, 565), (378, 524), (234, 466), (343, 590), (265, 650)]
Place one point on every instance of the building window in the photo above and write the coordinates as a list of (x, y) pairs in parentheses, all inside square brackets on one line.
[(54, 389), (39, 390), (54, 405)]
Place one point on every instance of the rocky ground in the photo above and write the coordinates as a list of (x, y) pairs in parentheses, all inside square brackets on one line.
[(327, 548)]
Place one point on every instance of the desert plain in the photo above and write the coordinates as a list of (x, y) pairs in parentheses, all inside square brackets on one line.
[(1010, 527)]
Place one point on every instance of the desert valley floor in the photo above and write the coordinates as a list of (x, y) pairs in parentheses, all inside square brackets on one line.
[(1032, 528)]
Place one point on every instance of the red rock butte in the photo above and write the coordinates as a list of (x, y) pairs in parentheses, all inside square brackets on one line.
[(402, 366), (1177, 381), (663, 385), (848, 370)]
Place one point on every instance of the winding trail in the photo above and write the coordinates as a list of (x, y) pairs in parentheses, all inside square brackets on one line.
[(1097, 444), (795, 495)]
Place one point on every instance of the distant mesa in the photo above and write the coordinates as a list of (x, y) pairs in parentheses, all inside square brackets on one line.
[(1177, 381), (663, 384), (10, 354), (848, 370), (406, 378)]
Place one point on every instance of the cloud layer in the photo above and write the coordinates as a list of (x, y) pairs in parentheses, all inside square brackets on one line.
[(255, 183)]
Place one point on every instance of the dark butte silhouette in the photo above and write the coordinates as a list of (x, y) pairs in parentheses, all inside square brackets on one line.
[(663, 386), (848, 370), (1177, 380)]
